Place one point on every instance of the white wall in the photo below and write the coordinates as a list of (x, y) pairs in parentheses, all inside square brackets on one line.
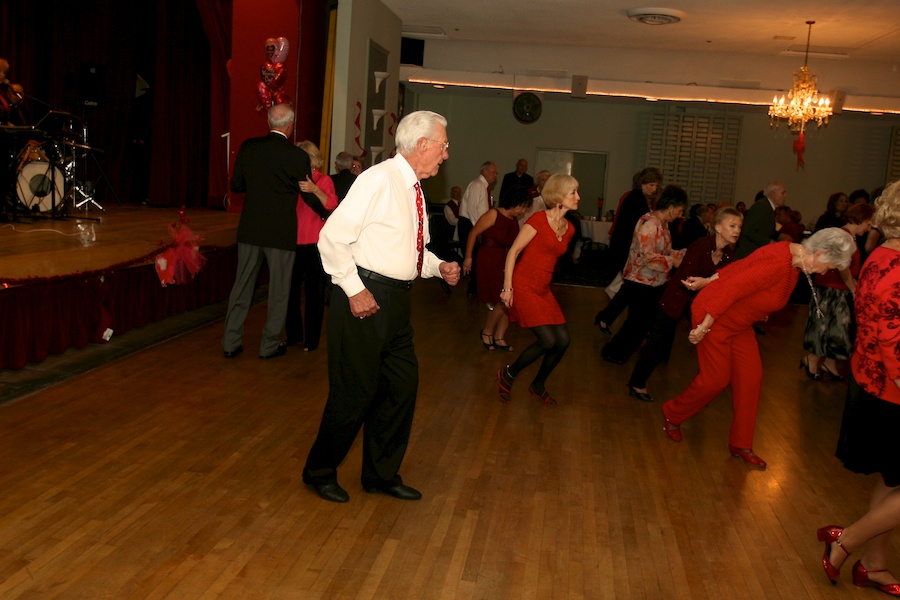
[(358, 22), (849, 153)]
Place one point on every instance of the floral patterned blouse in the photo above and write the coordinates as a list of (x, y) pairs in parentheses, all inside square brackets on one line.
[(876, 358), (651, 256)]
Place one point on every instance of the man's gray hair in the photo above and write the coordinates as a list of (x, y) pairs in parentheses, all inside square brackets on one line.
[(415, 126), (280, 115), (837, 246), (344, 160)]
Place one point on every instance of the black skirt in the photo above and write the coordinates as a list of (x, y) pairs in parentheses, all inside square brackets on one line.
[(869, 441)]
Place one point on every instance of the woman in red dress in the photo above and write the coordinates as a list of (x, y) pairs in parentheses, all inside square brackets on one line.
[(542, 240), (498, 229), (868, 441), (722, 316)]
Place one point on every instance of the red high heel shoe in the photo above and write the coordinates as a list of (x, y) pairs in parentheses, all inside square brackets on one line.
[(829, 535), (672, 430), (504, 387), (544, 396), (748, 456), (861, 579)]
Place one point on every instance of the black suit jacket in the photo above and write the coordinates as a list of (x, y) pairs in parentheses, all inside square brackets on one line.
[(511, 180), (758, 229), (269, 170), (691, 230), (342, 182)]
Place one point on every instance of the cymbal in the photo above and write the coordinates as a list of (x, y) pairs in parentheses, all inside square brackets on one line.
[(76, 145)]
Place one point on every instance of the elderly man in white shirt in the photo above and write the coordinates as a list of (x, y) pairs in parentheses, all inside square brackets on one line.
[(374, 247)]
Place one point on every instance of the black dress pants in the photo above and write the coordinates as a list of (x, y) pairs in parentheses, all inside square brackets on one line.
[(373, 376)]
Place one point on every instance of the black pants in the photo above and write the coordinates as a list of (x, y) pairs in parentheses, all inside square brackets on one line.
[(309, 276), (642, 302), (373, 376), (656, 350)]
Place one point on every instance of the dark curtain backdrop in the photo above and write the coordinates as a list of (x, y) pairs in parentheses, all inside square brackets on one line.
[(164, 146), (216, 18)]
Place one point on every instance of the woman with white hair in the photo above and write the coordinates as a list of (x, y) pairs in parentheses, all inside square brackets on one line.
[(868, 441), (722, 317)]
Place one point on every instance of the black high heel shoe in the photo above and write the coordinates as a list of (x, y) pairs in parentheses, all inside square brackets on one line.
[(642, 396), (831, 374), (804, 364), (503, 346), (601, 326), (489, 344)]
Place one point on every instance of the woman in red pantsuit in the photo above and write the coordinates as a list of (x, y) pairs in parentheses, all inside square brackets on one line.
[(723, 315)]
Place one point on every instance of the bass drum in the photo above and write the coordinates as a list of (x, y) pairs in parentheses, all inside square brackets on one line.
[(35, 186)]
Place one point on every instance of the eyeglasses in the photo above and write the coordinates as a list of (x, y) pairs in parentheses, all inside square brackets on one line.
[(444, 145)]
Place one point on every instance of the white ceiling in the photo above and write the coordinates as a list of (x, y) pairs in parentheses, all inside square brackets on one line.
[(730, 43)]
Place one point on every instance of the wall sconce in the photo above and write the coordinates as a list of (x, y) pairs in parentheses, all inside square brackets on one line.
[(377, 113), (379, 77)]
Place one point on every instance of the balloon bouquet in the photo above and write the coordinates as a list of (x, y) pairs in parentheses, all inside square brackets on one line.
[(272, 74)]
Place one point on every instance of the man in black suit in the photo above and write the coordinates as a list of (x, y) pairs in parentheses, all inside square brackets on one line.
[(269, 170), (759, 222), (344, 178), (694, 227), (519, 177)]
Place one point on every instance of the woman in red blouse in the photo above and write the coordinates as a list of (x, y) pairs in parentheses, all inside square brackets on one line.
[(703, 258), (308, 273), (830, 337), (646, 273), (869, 441), (723, 315)]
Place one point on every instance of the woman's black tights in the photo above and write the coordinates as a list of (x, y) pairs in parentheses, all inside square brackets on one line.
[(552, 341)]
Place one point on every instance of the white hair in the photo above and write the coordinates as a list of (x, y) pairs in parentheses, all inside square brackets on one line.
[(836, 245), (415, 126)]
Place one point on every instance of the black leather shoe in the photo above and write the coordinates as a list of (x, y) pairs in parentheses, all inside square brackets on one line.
[(642, 396), (330, 491), (403, 492), (281, 350), (233, 353)]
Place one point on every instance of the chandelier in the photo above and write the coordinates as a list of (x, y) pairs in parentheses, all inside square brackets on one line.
[(803, 103)]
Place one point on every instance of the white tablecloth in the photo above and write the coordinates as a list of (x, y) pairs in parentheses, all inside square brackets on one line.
[(598, 231)]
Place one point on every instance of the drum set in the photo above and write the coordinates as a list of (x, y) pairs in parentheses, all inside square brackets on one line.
[(46, 167)]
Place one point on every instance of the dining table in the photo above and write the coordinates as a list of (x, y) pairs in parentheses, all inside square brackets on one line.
[(597, 231)]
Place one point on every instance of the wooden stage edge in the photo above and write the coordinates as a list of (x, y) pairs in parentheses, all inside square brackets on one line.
[(46, 247)]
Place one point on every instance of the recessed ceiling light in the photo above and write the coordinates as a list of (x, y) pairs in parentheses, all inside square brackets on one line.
[(655, 16)]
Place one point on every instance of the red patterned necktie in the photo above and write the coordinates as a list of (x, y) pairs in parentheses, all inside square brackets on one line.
[(420, 237)]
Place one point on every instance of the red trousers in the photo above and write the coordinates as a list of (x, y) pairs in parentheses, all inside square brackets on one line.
[(724, 357)]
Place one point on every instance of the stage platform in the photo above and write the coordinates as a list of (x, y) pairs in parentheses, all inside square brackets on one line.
[(57, 293), (43, 247)]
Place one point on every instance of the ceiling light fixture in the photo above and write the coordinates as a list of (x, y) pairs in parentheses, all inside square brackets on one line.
[(655, 16), (802, 105)]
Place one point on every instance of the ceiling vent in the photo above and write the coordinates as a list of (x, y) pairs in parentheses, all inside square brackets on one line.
[(655, 16)]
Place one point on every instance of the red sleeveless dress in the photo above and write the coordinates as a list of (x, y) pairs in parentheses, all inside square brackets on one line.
[(533, 302)]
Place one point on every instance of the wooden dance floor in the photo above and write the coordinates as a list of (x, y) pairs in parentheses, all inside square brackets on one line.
[(175, 473)]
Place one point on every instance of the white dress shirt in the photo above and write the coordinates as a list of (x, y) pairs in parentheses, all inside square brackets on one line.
[(475, 200), (375, 227)]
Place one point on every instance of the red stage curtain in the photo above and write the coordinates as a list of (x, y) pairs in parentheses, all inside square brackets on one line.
[(48, 317), (216, 18)]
